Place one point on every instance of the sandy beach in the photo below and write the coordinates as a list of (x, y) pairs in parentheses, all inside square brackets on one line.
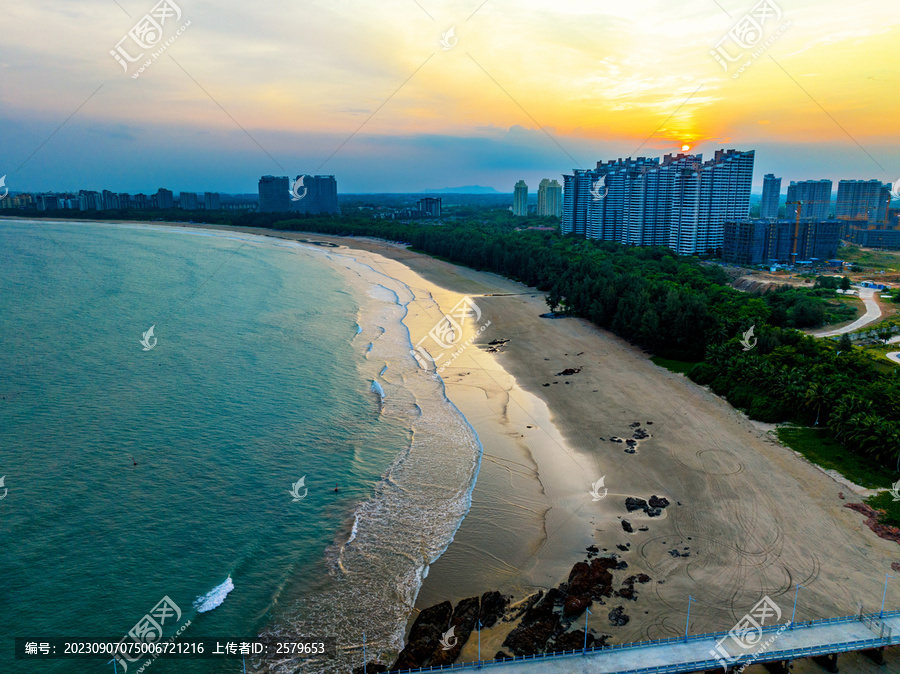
[(747, 518)]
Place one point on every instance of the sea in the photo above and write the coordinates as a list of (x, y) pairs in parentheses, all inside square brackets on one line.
[(223, 432)]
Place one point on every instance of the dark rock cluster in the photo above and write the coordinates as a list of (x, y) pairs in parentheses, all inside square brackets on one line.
[(423, 647)]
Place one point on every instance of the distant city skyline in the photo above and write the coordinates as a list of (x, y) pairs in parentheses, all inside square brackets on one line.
[(378, 102)]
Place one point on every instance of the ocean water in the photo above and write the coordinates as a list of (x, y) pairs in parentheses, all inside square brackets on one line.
[(133, 474)]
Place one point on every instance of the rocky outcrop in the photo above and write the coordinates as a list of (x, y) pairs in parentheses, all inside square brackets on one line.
[(425, 636), (493, 605), (617, 617), (462, 622)]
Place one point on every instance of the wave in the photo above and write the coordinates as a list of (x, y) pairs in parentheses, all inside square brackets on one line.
[(376, 388), (413, 512), (214, 597)]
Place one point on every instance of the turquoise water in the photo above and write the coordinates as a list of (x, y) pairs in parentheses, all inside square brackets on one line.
[(258, 378)]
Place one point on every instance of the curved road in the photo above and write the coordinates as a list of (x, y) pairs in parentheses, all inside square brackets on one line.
[(873, 313)]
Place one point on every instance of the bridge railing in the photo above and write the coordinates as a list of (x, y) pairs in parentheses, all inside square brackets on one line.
[(884, 640)]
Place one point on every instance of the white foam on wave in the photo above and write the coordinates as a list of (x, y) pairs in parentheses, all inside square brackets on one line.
[(214, 597), (376, 388)]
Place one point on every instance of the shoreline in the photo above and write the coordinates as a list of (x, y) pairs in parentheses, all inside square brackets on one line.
[(755, 518)]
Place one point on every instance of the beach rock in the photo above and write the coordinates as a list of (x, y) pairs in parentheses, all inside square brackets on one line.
[(632, 504), (545, 384), (370, 667), (621, 566), (516, 611), (463, 623), (574, 605), (626, 525), (635, 424), (653, 512), (616, 439), (530, 638), (493, 605), (841, 495), (570, 641), (623, 548), (644, 529), (592, 549), (543, 609), (592, 579), (643, 578), (617, 617), (568, 372), (659, 501), (425, 636)]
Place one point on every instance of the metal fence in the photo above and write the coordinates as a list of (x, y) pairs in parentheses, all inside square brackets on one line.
[(873, 621)]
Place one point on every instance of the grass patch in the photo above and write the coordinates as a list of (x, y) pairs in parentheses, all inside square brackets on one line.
[(885, 501), (680, 366), (874, 259), (822, 449)]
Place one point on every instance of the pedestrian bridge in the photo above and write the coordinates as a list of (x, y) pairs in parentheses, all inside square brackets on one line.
[(822, 639)]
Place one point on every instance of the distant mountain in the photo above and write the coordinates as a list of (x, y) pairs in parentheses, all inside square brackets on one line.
[(468, 189)]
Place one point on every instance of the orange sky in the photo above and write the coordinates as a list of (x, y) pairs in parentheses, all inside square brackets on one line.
[(278, 87)]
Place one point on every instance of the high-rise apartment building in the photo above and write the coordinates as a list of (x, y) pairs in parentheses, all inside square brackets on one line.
[(188, 201), (768, 207), (212, 201), (520, 199), (858, 199), (682, 203), (318, 194), (165, 198), (430, 206), (815, 196), (110, 201), (758, 242), (550, 198), (274, 194)]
